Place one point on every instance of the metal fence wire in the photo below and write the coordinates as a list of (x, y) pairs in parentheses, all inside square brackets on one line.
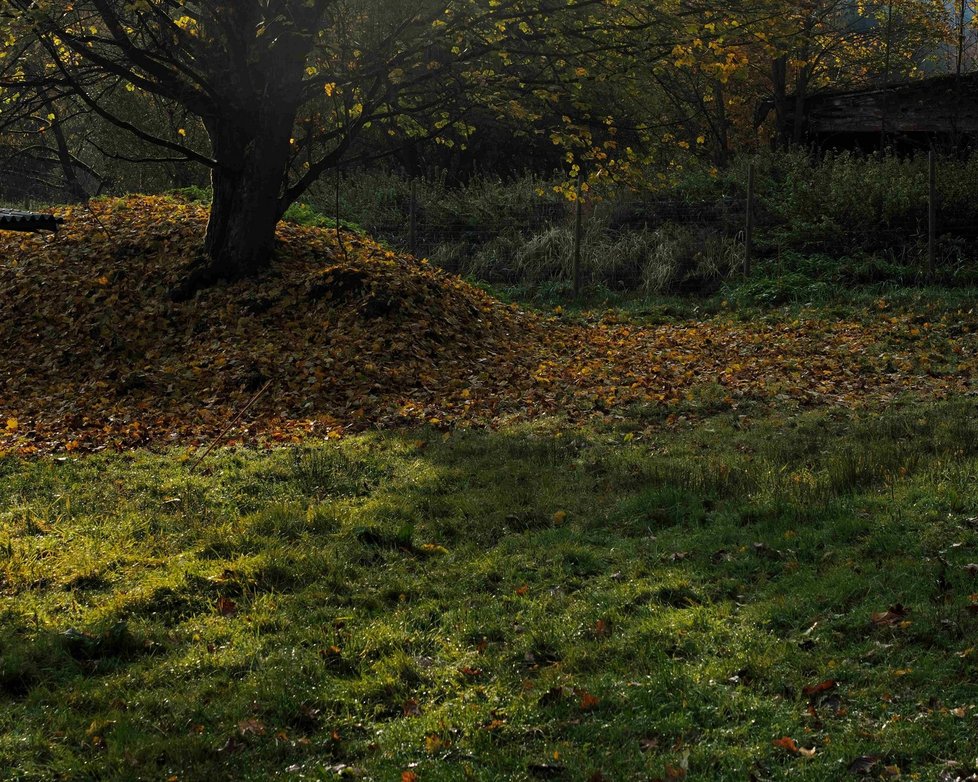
[(504, 234), (491, 246), (724, 216)]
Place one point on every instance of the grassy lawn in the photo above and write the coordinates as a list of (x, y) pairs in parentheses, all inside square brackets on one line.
[(787, 597)]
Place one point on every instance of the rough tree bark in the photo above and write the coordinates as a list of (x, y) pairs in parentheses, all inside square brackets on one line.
[(251, 142), (246, 207), (253, 161)]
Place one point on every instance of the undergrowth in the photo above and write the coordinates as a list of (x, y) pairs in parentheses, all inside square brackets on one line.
[(827, 224)]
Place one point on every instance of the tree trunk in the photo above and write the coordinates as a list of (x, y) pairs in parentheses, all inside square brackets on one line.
[(721, 154), (246, 207), (779, 80), (801, 96), (73, 186), (251, 133), (240, 236)]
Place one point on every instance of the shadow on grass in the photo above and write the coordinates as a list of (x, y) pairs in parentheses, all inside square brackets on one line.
[(540, 602)]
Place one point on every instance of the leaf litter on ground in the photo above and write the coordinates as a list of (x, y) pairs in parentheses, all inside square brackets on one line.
[(95, 354)]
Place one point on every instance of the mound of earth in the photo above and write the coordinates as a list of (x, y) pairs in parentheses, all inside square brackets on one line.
[(93, 352), (344, 334)]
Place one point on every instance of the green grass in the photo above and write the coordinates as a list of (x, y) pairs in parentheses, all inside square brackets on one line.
[(746, 300), (299, 213), (532, 603)]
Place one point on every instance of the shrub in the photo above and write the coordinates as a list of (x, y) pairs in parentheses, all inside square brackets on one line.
[(843, 219), (304, 214), (192, 194)]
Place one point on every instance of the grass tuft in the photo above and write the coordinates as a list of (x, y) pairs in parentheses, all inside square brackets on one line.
[(500, 605)]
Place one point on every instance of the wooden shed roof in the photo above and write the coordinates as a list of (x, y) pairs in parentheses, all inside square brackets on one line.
[(937, 105)]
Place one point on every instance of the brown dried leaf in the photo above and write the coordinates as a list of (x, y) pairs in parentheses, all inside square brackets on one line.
[(786, 743), (816, 689), (226, 606)]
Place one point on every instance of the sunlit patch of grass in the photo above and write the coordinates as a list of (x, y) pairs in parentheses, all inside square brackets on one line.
[(528, 603)]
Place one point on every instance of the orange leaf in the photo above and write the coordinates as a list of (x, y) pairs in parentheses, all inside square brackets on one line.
[(815, 689), (252, 726), (411, 708), (893, 615), (589, 702), (786, 743)]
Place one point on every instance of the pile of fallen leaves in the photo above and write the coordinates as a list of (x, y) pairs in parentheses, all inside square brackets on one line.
[(344, 334), (94, 352)]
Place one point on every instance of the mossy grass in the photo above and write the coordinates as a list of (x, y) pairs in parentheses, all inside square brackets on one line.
[(538, 602)]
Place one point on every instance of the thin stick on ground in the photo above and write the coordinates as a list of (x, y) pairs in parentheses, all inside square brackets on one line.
[(88, 206), (227, 428)]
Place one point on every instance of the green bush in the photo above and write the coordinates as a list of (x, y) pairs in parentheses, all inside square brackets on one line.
[(192, 194), (475, 212), (304, 214)]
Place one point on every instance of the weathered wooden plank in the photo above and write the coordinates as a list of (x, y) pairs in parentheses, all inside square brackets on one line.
[(941, 105)]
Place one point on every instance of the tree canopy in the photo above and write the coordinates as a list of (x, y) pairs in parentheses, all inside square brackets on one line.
[(269, 95), (282, 90)]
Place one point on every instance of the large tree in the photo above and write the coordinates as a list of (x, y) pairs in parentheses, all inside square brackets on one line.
[(281, 90)]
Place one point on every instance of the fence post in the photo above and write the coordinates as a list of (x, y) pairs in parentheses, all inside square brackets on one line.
[(578, 235), (413, 219), (339, 222), (931, 214), (749, 227)]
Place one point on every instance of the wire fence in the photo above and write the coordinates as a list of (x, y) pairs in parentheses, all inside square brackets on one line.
[(431, 231), (622, 237), (516, 234)]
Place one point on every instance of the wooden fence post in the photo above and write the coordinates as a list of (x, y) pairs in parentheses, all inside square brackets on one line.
[(749, 227), (339, 222), (413, 219), (578, 237), (931, 214)]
